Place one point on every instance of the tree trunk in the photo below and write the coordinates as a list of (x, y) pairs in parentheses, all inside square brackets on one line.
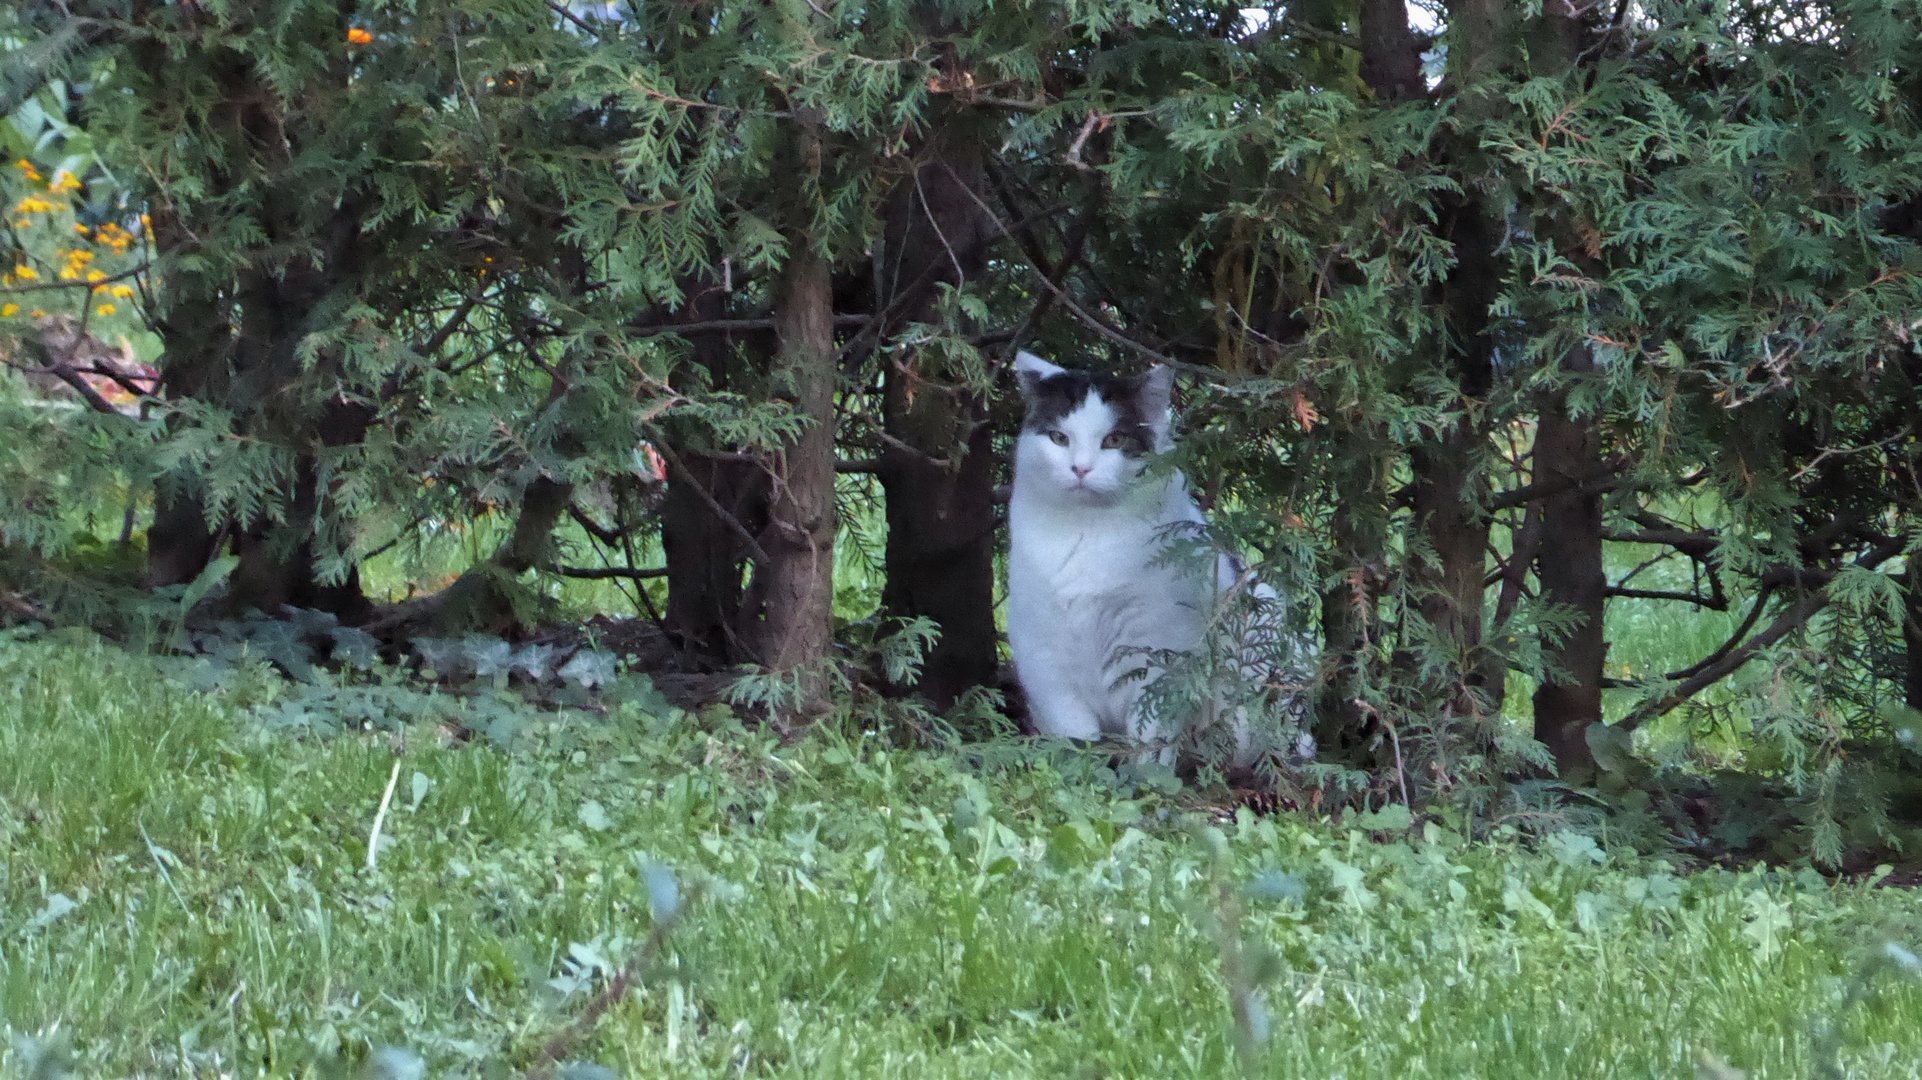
[(483, 597), (1568, 562), (796, 586), (706, 555), (1450, 486), (938, 473), (1569, 566), (1348, 607), (1912, 633), (940, 553), (1391, 66), (278, 563), (193, 365)]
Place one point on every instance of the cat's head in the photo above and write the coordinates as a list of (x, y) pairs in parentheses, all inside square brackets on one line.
[(1088, 435)]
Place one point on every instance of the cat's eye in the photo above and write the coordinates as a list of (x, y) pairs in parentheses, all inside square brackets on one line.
[(1115, 441), (1059, 438)]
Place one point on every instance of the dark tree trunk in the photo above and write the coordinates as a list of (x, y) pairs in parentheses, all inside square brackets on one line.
[(706, 555), (940, 554), (1391, 66), (278, 563), (1450, 485), (1447, 483), (1912, 633), (1390, 54), (938, 473), (1348, 608), (482, 598), (795, 587), (1568, 564), (1568, 560), (195, 342)]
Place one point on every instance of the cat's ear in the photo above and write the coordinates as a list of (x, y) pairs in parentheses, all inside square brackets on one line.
[(1031, 370), (1155, 394)]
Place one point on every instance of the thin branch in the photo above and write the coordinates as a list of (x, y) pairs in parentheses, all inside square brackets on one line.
[(1697, 544), (447, 329), (1711, 602), (600, 573), (573, 18), (66, 374), (713, 326), (1527, 542), (1748, 623), (1081, 140), (1596, 483), (609, 535)]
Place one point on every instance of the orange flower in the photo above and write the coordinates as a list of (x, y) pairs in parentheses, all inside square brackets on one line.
[(357, 36)]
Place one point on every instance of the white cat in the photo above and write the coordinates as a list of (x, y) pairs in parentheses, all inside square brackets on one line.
[(1087, 582)]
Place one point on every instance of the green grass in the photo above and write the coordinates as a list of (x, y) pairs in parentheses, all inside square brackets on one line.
[(857, 911)]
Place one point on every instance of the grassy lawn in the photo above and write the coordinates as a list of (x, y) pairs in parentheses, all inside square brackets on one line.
[(183, 891)]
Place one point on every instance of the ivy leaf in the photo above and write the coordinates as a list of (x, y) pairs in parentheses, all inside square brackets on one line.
[(589, 669)]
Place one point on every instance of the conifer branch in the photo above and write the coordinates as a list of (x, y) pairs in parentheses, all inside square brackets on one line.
[(1729, 658)]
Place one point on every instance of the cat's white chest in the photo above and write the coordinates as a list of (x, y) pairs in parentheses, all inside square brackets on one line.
[(1086, 593)]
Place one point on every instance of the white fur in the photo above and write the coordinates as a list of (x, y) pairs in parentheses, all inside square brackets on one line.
[(1084, 584)]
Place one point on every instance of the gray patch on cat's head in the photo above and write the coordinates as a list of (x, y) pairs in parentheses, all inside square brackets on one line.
[(1140, 402)]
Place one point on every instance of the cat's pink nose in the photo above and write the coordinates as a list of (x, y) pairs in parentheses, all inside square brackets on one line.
[(1081, 471)]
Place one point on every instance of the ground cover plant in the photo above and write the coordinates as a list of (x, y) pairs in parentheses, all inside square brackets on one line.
[(187, 891)]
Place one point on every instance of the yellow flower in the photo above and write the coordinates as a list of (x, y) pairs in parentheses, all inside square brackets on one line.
[(357, 36), (106, 309), (64, 181), (26, 166), (37, 313), (121, 291), (96, 275), (25, 272), (8, 311)]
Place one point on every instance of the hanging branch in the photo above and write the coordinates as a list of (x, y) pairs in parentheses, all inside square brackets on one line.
[(1729, 658)]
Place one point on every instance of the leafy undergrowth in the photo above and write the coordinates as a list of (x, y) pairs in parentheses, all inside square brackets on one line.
[(186, 891)]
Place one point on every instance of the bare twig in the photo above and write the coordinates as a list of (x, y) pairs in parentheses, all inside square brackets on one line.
[(600, 573), (562, 11), (1713, 603)]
